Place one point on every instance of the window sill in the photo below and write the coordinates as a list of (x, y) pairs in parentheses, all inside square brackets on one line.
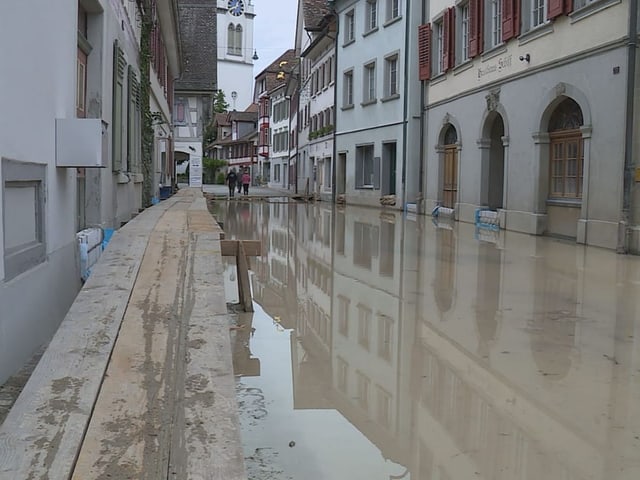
[(347, 107), (464, 66), (439, 78), (395, 96), (591, 9), (346, 44), (369, 32), (564, 202), (369, 102), (494, 52), (365, 187), (536, 32), (391, 21)]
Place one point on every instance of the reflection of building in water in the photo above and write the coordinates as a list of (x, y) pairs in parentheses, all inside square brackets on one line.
[(519, 382), (530, 377), (366, 354), (312, 342), (274, 279)]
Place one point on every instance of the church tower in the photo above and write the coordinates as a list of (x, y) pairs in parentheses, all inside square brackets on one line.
[(235, 52)]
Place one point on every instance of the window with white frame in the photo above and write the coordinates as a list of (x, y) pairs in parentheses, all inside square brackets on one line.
[(371, 16), (393, 9), (369, 87), (349, 27), (347, 99), (438, 53), (496, 22), (538, 12), (391, 87), (463, 15)]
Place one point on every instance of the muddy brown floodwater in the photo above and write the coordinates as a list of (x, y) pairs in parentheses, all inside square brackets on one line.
[(392, 347)]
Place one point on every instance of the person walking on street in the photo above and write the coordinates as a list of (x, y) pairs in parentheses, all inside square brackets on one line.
[(246, 180), (232, 178)]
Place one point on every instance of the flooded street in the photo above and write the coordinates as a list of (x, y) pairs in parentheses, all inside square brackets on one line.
[(384, 347)]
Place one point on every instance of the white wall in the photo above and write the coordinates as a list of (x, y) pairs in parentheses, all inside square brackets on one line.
[(38, 86)]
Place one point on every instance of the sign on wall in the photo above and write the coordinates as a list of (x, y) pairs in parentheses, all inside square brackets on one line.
[(195, 171)]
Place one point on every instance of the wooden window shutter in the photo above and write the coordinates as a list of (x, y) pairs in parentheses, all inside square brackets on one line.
[(452, 37), (446, 44), (507, 20), (568, 6), (424, 51), (510, 19), (473, 28), (476, 16), (555, 8), (480, 27)]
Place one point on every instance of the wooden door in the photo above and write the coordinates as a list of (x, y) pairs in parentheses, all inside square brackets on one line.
[(450, 184)]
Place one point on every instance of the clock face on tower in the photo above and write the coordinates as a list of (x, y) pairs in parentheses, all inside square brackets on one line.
[(236, 7)]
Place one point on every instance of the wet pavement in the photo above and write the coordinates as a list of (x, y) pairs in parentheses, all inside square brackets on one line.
[(387, 347)]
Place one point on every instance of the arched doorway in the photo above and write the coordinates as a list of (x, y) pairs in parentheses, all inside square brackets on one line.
[(495, 175), (566, 159), (450, 167)]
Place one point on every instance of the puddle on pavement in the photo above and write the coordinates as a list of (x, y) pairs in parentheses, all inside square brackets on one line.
[(387, 347)]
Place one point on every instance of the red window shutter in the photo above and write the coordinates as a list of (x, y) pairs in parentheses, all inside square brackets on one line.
[(568, 6), (476, 23), (424, 51), (555, 8), (446, 56), (507, 20), (516, 17), (452, 37), (480, 26)]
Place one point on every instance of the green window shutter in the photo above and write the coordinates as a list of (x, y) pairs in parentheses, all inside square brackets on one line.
[(119, 64)]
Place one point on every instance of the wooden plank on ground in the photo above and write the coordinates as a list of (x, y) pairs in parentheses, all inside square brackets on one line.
[(210, 438), (131, 428), (252, 248)]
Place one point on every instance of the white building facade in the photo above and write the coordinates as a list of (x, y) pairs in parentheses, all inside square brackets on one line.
[(53, 185), (315, 118), (280, 123), (378, 113), (235, 51), (526, 106)]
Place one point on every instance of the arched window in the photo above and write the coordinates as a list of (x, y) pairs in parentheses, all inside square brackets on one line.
[(231, 39), (238, 42)]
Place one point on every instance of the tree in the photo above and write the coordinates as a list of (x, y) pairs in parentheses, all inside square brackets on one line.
[(211, 167), (220, 104)]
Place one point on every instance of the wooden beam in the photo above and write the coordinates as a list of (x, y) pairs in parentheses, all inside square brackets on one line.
[(229, 248), (244, 288)]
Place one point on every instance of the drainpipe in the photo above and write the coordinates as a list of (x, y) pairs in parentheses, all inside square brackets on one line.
[(625, 230), (423, 123), (334, 160), (405, 124)]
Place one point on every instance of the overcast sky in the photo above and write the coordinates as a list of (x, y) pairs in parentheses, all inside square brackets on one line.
[(273, 30)]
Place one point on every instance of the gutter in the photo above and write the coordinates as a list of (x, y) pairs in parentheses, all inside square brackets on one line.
[(405, 107), (624, 232), (423, 122), (334, 160)]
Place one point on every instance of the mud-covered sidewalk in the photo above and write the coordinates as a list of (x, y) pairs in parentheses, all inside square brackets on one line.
[(138, 380)]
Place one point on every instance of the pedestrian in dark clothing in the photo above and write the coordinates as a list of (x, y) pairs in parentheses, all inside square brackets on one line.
[(232, 178), (246, 180)]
